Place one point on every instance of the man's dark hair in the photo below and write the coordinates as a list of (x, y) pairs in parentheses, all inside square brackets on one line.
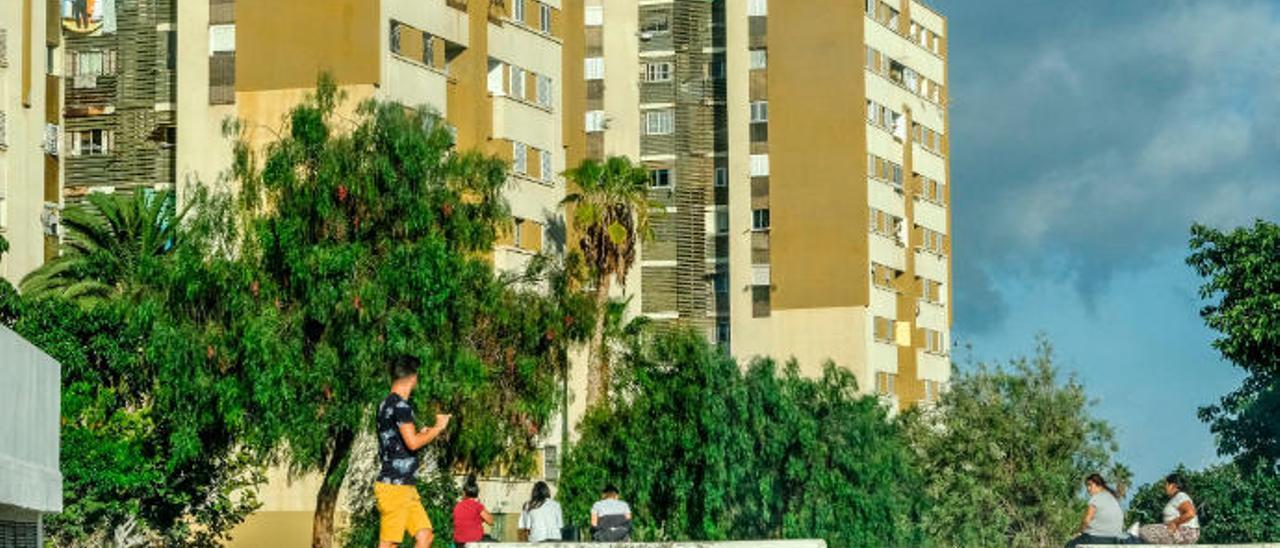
[(609, 489), (404, 366)]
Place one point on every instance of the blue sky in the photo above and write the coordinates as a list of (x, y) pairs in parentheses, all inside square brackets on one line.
[(1086, 138)]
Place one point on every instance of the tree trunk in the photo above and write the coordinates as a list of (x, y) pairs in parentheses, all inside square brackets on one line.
[(597, 370), (327, 498)]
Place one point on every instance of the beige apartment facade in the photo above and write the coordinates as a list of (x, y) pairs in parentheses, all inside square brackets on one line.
[(30, 120), (839, 190)]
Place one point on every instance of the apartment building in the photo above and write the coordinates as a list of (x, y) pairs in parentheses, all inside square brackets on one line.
[(30, 114), (496, 71), (839, 189), (119, 94), (655, 74)]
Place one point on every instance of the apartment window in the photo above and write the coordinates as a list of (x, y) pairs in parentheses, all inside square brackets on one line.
[(517, 81), (886, 224), (395, 36), (930, 290), (544, 91), (871, 7), (716, 70), (92, 142), (660, 178), (4, 47), (885, 383), (759, 165), (595, 120), (496, 70), (722, 332), (222, 38), (934, 342), (520, 158), (4, 216), (761, 301), (720, 283), (544, 13), (428, 50), (722, 221), (759, 112), (594, 16), (882, 329), (759, 59), (760, 219), (659, 122), (657, 72), (545, 164), (883, 276), (49, 59), (517, 11), (4, 126), (594, 68), (757, 8), (516, 232), (657, 24), (932, 241), (93, 63), (722, 176), (551, 463)]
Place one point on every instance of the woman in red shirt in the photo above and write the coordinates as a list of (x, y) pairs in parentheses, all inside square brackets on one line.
[(469, 516)]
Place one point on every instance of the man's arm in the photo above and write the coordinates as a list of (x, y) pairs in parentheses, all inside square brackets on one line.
[(414, 440)]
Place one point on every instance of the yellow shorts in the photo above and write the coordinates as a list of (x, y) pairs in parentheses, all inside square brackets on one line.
[(401, 511)]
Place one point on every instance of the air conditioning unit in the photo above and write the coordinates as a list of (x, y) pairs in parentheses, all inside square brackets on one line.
[(646, 36), (52, 141)]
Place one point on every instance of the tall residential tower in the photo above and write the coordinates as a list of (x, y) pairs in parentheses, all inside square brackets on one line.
[(839, 188)]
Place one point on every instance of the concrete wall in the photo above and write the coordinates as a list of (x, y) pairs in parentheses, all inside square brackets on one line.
[(30, 399)]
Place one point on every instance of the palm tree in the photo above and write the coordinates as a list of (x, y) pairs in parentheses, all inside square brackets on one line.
[(108, 235), (610, 216)]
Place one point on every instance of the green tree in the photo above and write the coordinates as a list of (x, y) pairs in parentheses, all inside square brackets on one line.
[(109, 237), (1235, 504), (703, 450), (371, 240), (609, 212), (121, 447), (1006, 451), (1241, 269)]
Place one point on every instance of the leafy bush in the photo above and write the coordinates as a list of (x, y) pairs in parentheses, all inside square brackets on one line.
[(706, 451)]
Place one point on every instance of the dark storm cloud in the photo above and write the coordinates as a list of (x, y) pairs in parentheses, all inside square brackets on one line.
[(1087, 136)]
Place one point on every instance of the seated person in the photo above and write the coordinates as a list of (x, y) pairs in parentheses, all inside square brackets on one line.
[(610, 517)]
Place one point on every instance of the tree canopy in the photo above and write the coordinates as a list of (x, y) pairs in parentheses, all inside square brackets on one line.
[(1241, 271), (1005, 453), (704, 450)]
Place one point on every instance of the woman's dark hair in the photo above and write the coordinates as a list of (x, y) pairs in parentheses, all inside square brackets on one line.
[(541, 493), (1096, 479), (1175, 479), (609, 489), (470, 488)]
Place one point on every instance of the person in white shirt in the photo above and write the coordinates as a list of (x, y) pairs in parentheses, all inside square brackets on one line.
[(1103, 520), (1180, 523), (540, 518)]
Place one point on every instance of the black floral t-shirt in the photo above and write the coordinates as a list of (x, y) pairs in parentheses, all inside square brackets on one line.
[(398, 463)]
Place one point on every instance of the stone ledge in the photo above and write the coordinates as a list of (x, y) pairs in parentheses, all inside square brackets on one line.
[(1256, 545), (683, 544)]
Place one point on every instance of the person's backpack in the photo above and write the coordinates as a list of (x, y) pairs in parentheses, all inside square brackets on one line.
[(612, 528)]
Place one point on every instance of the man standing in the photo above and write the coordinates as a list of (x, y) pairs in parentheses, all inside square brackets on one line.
[(398, 439)]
